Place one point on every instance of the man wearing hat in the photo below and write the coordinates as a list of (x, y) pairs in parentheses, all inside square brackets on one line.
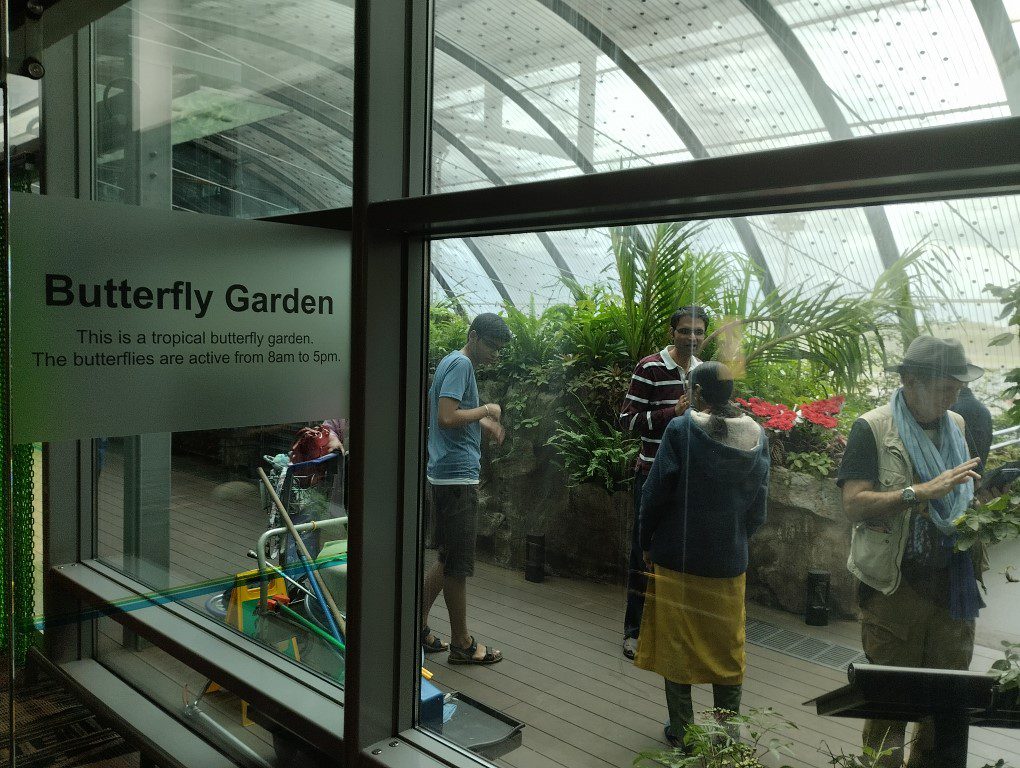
[(906, 477)]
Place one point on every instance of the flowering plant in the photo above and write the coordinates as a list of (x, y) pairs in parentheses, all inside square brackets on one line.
[(800, 430), (770, 415), (823, 412)]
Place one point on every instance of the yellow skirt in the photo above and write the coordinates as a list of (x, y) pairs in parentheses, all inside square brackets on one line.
[(692, 628)]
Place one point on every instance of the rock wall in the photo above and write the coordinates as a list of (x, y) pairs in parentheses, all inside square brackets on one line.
[(588, 529), (805, 530)]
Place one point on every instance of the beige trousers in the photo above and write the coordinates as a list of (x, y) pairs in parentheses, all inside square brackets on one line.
[(906, 630)]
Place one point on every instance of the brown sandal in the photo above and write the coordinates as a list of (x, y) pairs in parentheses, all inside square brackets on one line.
[(467, 655), (435, 645)]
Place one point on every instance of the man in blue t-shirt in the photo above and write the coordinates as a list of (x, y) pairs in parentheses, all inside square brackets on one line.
[(456, 422)]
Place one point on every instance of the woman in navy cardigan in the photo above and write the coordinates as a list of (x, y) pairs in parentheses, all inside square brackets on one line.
[(704, 497)]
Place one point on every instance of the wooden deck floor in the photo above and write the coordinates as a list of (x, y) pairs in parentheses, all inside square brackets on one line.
[(583, 704)]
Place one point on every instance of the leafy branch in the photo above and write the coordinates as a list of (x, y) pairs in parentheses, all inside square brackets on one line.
[(991, 523)]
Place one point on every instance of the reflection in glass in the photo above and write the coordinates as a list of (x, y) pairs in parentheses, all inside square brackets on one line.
[(196, 109), (199, 107), (202, 525), (808, 359), (189, 516)]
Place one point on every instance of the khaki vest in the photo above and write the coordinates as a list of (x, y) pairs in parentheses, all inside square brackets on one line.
[(877, 546)]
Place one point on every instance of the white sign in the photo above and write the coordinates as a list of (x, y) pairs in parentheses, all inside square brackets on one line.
[(129, 320)]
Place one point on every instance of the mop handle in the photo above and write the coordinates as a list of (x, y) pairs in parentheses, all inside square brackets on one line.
[(334, 619)]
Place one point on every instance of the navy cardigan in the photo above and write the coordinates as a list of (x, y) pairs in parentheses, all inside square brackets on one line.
[(702, 501)]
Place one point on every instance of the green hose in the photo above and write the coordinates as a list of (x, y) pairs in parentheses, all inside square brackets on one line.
[(290, 612)]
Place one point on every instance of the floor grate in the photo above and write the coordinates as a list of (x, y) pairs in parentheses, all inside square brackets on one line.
[(801, 646)]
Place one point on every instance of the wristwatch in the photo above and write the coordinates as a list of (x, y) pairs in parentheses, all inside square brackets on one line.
[(908, 495)]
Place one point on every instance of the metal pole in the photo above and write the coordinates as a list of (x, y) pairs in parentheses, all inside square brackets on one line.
[(5, 371), (260, 551), (334, 619), (951, 734), (997, 446)]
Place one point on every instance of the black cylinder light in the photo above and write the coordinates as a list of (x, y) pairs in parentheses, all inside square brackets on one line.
[(817, 611), (534, 557)]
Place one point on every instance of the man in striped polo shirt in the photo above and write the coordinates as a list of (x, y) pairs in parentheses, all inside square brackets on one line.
[(657, 393)]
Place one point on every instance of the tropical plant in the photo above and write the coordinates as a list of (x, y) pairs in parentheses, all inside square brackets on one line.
[(869, 758), (924, 265), (803, 434), (714, 743), (591, 450), (788, 381), (990, 523), (822, 327), (447, 331), (601, 390), (834, 333), (1007, 669), (592, 341), (1010, 300), (811, 463), (658, 270), (536, 339)]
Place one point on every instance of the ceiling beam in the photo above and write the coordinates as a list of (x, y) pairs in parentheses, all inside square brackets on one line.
[(951, 161)]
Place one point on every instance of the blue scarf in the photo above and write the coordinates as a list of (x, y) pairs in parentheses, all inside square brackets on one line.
[(929, 462)]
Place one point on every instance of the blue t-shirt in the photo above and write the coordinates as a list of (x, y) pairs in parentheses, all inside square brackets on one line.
[(455, 453)]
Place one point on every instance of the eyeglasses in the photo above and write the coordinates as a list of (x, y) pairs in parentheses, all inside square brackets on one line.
[(683, 331)]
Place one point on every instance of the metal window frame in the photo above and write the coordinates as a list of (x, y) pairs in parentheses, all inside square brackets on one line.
[(947, 162), (392, 96), (970, 160)]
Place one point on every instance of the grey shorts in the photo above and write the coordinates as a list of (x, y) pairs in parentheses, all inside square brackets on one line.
[(456, 508)]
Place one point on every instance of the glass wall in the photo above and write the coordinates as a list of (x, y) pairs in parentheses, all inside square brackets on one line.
[(247, 112), (585, 389), (197, 107), (546, 89)]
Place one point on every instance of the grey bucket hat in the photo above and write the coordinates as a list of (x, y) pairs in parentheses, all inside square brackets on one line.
[(940, 357)]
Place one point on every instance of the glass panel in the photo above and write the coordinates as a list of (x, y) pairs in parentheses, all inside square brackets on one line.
[(905, 66), (196, 106), (186, 513), (201, 112), (556, 580), (24, 124), (178, 688), (543, 89), (209, 113)]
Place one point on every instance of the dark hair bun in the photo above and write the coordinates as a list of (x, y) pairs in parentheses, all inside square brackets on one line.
[(715, 381)]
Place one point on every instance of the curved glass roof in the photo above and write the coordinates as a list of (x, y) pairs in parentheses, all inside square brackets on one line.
[(539, 89)]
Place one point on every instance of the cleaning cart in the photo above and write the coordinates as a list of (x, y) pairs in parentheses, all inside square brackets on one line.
[(297, 605)]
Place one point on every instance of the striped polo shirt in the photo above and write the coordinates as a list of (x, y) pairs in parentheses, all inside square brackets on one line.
[(655, 387)]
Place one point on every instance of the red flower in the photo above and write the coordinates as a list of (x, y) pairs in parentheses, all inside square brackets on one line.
[(760, 407), (823, 412), (783, 418), (782, 422)]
